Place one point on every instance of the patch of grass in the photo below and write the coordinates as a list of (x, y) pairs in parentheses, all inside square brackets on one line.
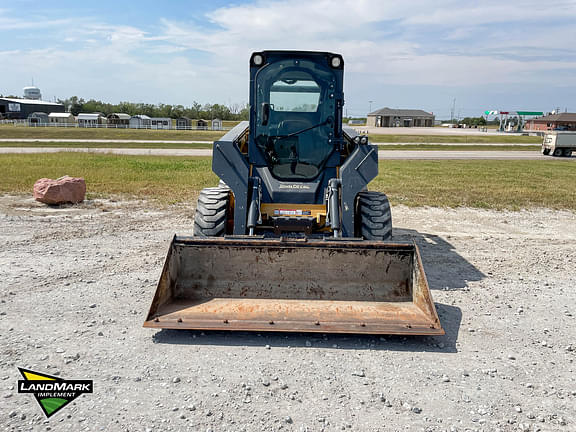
[(147, 145), (165, 179), (451, 147), (479, 183), (152, 145), (457, 139), (25, 132)]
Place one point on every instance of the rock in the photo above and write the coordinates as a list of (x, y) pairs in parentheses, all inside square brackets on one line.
[(359, 373), (407, 406), (63, 190), (518, 409), (176, 380), (288, 419)]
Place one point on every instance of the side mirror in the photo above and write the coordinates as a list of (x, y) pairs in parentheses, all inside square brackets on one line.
[(265, 113)]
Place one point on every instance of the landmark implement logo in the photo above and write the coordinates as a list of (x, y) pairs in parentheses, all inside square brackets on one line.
[(52, 393)]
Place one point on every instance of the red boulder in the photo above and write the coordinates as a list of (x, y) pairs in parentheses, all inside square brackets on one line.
[(63, 190)]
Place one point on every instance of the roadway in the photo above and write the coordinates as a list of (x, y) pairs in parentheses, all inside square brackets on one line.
[(382, 154)]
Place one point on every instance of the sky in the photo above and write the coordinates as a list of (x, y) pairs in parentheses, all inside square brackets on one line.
[(473, 55)]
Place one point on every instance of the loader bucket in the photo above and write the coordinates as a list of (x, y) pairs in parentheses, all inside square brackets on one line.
[(327, 286)]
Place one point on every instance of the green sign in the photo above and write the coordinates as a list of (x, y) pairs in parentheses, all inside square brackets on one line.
[(530, 113)]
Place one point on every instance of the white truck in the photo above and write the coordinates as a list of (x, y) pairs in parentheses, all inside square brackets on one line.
[(559, 143)]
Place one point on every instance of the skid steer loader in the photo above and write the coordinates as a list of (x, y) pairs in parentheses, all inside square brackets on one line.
[(291, 239)]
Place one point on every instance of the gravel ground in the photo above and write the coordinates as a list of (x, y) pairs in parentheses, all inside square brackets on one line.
[(76, 283)]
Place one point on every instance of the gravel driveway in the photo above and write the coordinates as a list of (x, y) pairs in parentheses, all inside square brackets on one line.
[(76, 283)]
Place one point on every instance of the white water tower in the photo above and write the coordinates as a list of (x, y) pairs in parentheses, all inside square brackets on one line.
[(32, 93)]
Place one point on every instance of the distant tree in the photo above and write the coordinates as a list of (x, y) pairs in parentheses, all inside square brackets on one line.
[(244, 113), (473, 121), (73, 104)]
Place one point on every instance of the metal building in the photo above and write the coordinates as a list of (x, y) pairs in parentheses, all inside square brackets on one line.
[(388, 117), (38, 119), (61, 118), (20, 109), (91, 120), (140, 121), (161, 123), (119, 120), (183, 123)]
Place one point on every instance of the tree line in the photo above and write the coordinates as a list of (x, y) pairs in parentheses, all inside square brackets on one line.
[(76, 105)]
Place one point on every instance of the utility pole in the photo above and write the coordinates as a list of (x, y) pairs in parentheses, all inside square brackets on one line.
[(452, 111), (370, 102)]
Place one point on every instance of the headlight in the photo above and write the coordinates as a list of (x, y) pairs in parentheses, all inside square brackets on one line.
[(364, 140), (258, 59), (336, 62)]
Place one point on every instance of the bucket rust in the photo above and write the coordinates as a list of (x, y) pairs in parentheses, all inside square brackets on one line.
[(327, 286)]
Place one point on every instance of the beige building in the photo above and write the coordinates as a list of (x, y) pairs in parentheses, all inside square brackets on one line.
[(388, 117), (61, 118)]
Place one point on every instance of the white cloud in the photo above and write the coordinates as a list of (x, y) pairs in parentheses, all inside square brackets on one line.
[(385, 44)]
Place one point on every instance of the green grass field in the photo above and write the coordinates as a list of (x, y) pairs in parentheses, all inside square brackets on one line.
[(484, 184), (183, 145), (24, 132), (143, 145), (451, 147), (456, 139)]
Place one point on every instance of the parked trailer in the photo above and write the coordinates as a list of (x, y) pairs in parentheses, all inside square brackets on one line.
[(559, 144)]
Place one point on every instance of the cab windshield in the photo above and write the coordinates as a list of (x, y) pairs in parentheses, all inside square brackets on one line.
[(295, 117)]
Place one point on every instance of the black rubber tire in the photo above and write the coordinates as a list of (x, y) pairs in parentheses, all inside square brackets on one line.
[(546, 151), (558, 152), (567, 152), (211, 215), (373, 217)]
